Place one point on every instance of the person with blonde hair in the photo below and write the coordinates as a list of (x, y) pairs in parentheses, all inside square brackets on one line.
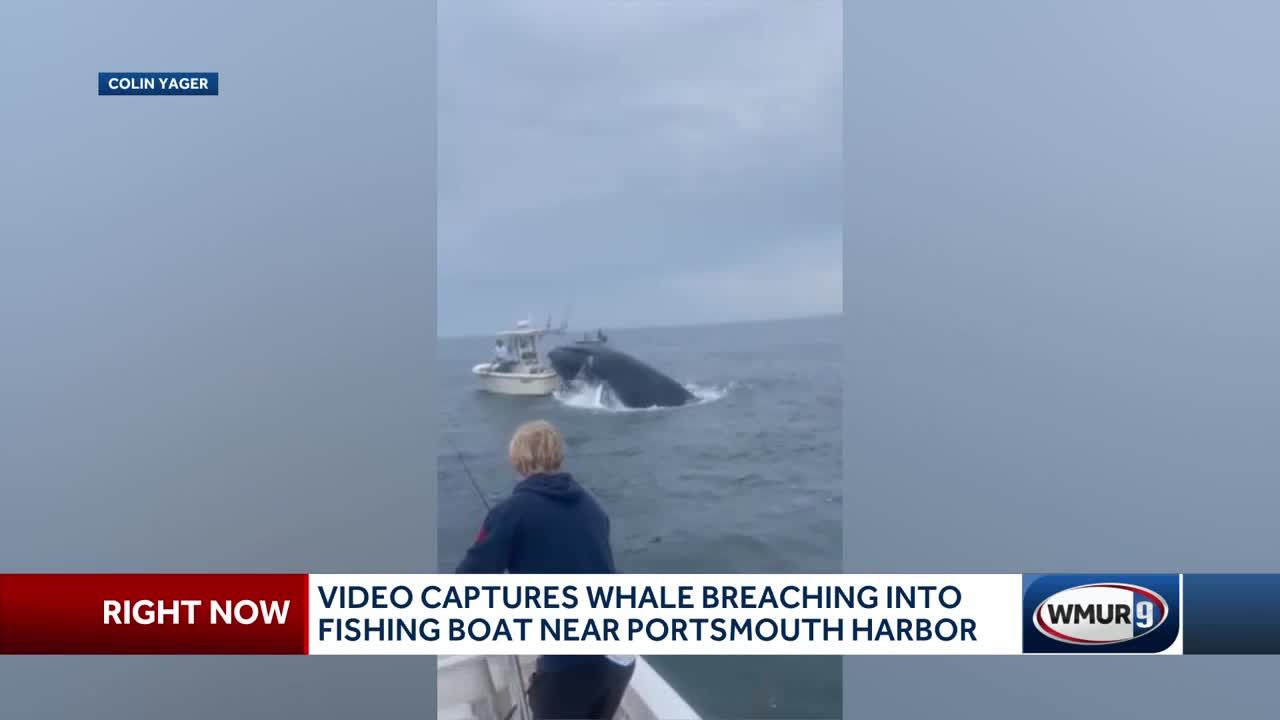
[(550, 524)]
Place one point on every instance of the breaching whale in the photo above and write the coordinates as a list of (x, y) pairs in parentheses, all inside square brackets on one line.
[(633, 383)]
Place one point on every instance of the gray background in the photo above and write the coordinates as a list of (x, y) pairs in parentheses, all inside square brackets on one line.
[(217, 324), (1060, 292)]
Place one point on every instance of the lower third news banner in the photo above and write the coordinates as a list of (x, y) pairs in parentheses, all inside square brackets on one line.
[(964, 614)]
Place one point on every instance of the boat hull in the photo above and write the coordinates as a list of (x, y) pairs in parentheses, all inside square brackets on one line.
[(527, 384)]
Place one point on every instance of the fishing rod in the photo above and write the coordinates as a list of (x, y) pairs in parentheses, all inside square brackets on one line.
[(485, 501), (475, 485)]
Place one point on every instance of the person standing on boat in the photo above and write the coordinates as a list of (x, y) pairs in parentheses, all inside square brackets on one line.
[(551, 524), (502, 357)]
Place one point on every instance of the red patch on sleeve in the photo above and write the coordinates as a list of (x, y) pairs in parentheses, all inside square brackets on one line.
[(482, 535)]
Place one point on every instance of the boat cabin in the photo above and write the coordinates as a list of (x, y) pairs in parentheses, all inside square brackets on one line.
[(521, 344)]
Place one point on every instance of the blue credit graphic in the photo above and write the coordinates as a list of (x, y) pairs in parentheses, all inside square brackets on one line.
[(157, 83), (1231, 614), (1100, 613)]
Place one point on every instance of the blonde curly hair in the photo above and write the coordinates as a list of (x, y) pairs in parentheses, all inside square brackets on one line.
[(536, 447)]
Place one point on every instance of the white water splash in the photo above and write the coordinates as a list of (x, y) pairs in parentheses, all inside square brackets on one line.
[(596, 396)]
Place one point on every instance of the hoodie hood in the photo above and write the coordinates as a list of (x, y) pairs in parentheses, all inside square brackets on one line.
[(555, 486), (560, 487)]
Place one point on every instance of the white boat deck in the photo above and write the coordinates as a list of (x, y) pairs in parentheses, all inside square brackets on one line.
[(487, 687)]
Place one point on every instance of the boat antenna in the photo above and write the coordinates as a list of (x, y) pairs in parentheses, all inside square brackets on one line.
[(485, 501)]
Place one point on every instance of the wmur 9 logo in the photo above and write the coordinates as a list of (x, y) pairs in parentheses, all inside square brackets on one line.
[(1100, 613)]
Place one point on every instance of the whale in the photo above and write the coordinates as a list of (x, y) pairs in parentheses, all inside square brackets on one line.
[(630, 381)]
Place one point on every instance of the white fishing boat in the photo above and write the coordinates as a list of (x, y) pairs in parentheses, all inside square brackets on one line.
[(489, 687), (518, 368)]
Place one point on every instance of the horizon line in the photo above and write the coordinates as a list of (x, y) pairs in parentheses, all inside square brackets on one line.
[(673, 325)]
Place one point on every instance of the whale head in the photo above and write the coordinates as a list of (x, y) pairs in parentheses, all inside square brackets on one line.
[(568, 361)]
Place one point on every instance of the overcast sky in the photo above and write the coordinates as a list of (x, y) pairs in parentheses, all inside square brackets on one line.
[(642, 162)]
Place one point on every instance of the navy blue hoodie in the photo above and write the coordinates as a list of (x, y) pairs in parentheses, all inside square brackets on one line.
[(551, 525)]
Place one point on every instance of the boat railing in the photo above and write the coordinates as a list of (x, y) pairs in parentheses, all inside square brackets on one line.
[(489, 687)]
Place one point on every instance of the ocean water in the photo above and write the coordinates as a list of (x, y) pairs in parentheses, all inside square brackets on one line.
[(748, 480)]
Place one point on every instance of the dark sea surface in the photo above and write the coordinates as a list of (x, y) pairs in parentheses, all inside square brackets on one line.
[(746, 481)]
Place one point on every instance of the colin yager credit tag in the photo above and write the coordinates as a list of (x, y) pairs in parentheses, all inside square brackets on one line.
[(174, 83)]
